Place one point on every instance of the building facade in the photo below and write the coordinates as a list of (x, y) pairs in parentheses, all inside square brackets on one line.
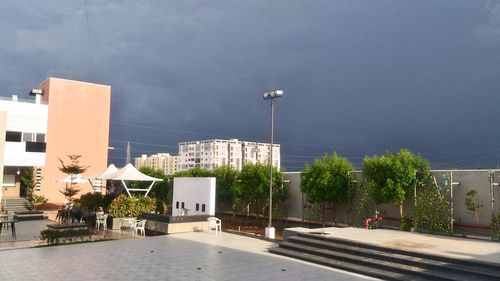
[(65, 118), (210, 154), (161, 161)]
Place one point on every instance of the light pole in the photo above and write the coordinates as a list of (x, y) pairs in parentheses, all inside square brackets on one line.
[(270, 231)]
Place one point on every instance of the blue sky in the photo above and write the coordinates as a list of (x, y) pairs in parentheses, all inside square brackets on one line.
[(360, 77)]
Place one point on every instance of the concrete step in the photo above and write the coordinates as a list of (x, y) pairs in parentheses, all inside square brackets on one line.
[(479, 266), (384, 262), (380, 263), (16, 204), (428, 262), (360, 269)]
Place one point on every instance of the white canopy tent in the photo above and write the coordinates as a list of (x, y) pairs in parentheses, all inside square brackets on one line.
[(96, 180), (73, 179), (129, 173), (109, 170)]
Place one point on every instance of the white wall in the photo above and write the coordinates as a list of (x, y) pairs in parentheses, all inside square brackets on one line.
[(193, 191), (25, 117), (28, 118), (15, 155)]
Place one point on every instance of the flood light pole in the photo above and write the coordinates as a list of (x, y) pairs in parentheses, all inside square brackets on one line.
[(270, 232)]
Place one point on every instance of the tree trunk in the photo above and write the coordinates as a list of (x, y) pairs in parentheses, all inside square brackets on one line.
[(334, 213), (400, 211), (323, 213)]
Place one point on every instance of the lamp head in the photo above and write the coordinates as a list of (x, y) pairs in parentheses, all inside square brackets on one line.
[(273, 94)]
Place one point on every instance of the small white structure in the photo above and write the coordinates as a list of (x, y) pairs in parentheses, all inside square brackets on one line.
[(193, 197)]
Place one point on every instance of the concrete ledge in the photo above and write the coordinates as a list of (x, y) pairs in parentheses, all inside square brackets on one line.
[(29, 216), (171, 228)]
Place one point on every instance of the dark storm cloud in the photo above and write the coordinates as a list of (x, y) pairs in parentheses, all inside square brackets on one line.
[(360, 77)]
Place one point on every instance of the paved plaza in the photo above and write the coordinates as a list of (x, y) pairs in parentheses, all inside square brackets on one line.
[(189, 256), (201, 256)]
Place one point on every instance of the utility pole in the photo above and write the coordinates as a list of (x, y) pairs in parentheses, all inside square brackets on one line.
[(127, 160)]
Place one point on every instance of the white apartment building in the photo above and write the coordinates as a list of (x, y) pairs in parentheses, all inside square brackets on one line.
[(161, 161), (213, 153)]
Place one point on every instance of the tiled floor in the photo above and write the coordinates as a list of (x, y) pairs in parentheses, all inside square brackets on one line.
[(28, 234), (194, 256)]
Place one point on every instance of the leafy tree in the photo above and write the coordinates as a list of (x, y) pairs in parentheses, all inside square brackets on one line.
[(252, 187), (161, 190), (472, 203), (194, 172), (28, 182), (393, 176), (227, 178), (72, 169), (327, 181)]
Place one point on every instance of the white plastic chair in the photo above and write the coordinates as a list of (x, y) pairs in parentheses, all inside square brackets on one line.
[(214, 223), (140, 227), (101, 220)]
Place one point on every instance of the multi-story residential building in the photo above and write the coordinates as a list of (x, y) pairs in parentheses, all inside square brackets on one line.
[(66, 118), (161, 161), (213, 153)]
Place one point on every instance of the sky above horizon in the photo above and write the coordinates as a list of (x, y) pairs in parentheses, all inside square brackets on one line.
[(359, 77)]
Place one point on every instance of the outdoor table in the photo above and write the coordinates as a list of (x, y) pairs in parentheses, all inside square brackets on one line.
[(12, 226)]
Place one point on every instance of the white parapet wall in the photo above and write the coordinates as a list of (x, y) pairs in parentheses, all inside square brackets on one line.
[(193, 197)]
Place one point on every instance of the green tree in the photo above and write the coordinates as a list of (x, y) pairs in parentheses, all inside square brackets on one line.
[(252, 187), (226, 179), (161, 190), (194, 172), (327, 181), (392, 177), (472, 203), (28, 182), (72, 169)]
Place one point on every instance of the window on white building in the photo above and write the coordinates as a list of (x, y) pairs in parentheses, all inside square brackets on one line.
[(13, 136)]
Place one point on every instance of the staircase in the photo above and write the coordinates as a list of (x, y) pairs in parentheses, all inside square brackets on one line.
[(15, 204), (382, 262)]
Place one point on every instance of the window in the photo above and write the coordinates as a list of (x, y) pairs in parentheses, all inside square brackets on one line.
[(13, 136), (35, 146), (177, 205), (38, 179), (40, 138), (197, 206), (203, 208), (182, 205), (27, 137)]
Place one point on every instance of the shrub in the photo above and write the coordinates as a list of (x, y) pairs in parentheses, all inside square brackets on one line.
[(125, 206), (432, 211), (53, 236), (495, 228), (40, 199), (406, 224), (93, 201), (359, 207)]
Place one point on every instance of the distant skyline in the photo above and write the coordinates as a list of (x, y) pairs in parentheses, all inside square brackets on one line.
[(359, 77)]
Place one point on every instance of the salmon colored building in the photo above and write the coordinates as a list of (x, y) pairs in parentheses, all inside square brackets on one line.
[(77, 118)]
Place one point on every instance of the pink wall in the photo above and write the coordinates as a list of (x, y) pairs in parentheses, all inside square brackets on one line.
[(78, 123)]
